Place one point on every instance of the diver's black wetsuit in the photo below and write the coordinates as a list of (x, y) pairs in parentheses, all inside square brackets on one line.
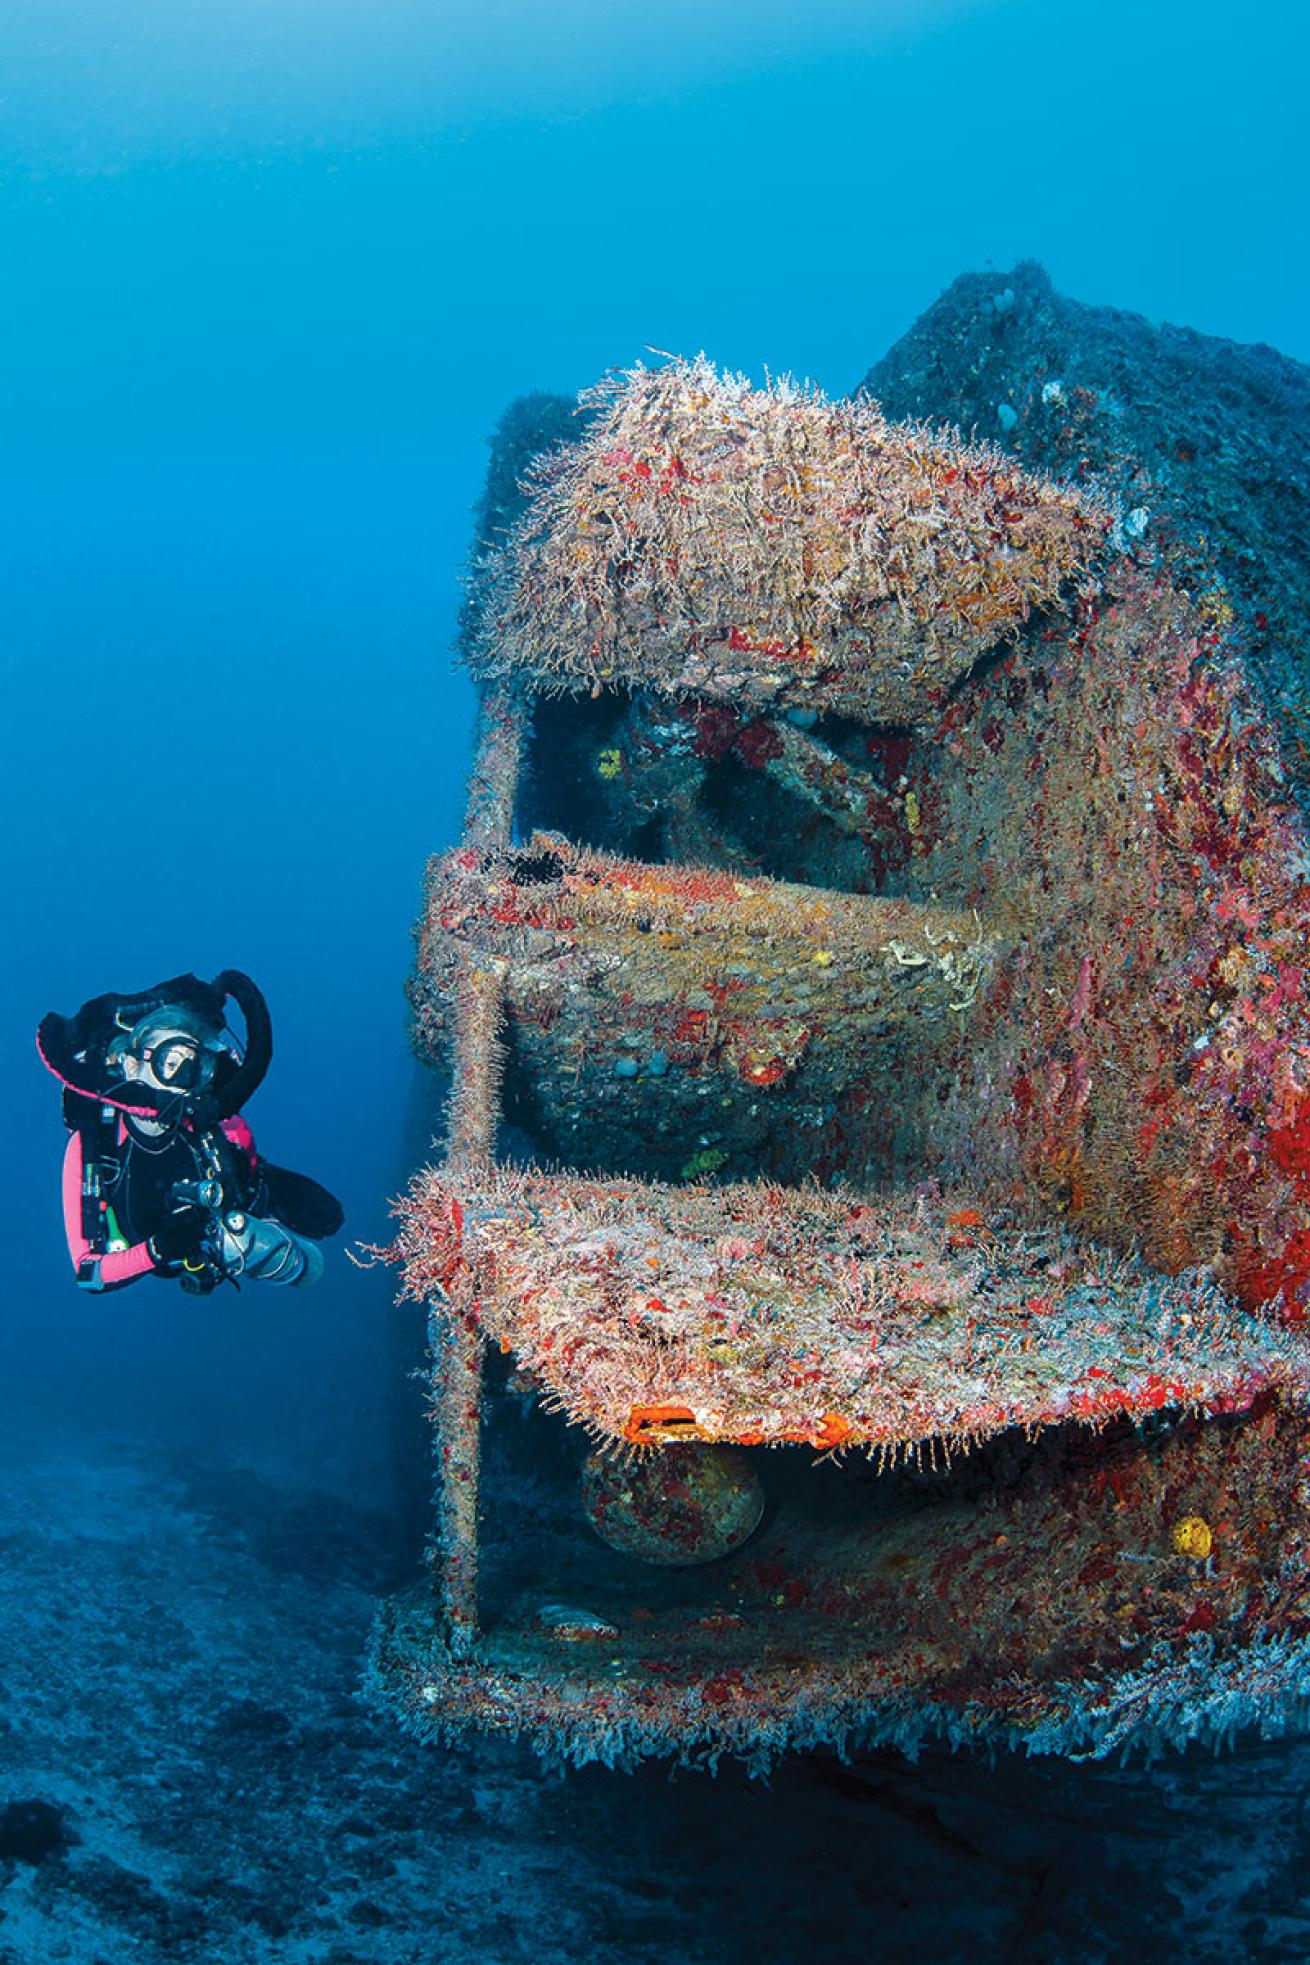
[(149, 1185), (144, 1196)]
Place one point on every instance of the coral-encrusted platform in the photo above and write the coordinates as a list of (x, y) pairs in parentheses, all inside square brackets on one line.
[(761, 1315), (1045, 1596), (648, 1005), (770, 547), (561, 916)]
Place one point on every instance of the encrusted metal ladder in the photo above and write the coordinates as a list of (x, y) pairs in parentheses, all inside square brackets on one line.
[(479, 1010), (476, 1066)]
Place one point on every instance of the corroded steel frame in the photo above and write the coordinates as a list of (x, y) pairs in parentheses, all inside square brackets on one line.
[(1111, 797)]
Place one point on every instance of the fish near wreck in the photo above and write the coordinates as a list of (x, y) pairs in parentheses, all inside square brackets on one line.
[(880, 909)]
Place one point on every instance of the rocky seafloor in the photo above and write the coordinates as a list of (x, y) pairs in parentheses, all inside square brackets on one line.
[(187, 1774)]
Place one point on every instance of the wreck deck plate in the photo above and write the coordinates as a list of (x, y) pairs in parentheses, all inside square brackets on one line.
[(1040, 1596), (770, 547), (647, 1005), (641, 939), (762, 1315)]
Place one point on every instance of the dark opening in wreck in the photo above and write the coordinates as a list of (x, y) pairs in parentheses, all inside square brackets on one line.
[(878, 892)]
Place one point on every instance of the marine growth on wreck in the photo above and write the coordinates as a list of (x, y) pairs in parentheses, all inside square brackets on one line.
[(871, 987)]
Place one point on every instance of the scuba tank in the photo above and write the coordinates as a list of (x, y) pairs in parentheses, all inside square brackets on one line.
[(267, 1252)]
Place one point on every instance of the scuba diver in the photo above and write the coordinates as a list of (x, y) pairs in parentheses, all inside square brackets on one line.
[(161, 1175)]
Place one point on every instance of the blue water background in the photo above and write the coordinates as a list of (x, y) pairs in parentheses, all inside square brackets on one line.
[(268, 276)]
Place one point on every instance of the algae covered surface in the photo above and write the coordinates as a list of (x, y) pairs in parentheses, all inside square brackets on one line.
[(1206, 440)]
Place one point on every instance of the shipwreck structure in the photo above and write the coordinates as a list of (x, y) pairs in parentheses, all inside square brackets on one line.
[(872, 983)]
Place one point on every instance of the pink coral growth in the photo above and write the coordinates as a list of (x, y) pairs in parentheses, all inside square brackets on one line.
[(764, 1315)]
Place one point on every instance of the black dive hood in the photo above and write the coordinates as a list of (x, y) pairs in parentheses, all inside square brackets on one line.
[(74, 1048)]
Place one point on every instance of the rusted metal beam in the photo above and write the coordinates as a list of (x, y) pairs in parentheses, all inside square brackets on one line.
[(456, 1342), (504, 718), (849, 798)]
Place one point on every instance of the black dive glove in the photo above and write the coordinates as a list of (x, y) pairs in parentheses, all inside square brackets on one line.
[(181, 1239)]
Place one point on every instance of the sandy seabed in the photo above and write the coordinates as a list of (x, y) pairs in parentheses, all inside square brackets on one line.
[(187, 1774)]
